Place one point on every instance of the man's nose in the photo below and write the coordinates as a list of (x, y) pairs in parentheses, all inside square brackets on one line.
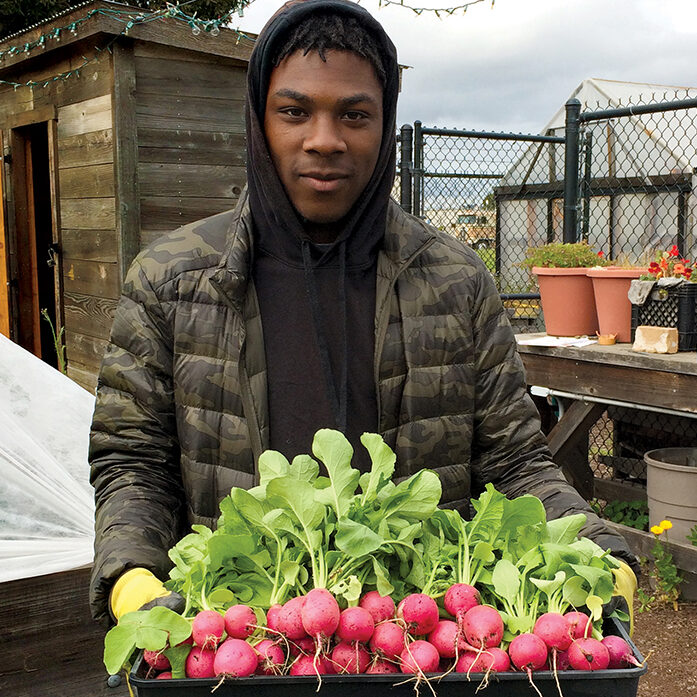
[(324, 136)]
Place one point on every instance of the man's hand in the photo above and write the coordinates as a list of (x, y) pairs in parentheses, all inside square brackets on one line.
[(140, 589), (623, 595)]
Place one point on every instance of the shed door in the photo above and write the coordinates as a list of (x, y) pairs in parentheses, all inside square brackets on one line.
[(35, 267)]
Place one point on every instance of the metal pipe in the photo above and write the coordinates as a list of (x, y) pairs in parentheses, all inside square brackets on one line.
[(639, 109), (418, 168), (491, 136), (548, 391), (573, 111), (405, 167)]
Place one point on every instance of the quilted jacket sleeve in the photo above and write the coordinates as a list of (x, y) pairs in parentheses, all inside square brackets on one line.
[(134, 453), (509, 449)]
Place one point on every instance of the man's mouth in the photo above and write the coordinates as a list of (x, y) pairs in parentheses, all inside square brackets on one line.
[(324, 181)]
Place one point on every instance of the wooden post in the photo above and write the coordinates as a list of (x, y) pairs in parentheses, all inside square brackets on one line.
[(4, 280)]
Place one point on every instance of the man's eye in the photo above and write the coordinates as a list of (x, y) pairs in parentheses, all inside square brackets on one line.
[(293, 111), (354, 115)]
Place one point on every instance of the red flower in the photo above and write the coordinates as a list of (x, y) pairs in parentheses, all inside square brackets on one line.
[(674, 251), (601, 254)]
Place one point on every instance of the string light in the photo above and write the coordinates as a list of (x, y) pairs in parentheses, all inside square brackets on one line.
[(129, 20), (438, 11)]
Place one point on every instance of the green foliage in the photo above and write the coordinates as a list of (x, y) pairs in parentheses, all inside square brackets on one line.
[(16, 15), (646, 600), (692, 535), (563, 255), (58, 342), (665, 574), (634, 514)]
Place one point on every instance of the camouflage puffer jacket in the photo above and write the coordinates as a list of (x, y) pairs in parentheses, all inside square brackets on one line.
[(181, 412)]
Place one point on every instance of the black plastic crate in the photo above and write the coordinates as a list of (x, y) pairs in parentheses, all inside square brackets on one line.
[(600, 683), (676, 308)]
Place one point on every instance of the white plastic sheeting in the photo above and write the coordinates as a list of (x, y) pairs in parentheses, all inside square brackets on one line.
[(46, 501)]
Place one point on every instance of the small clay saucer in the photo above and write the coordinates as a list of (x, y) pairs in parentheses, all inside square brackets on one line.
[(606, 339)]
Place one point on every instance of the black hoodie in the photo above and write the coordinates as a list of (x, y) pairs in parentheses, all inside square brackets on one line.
[(317, 302)]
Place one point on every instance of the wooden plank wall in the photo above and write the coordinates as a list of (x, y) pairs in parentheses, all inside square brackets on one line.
[(191, 143), (86, 190)]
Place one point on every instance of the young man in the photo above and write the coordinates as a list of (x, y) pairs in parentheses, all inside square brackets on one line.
[(316, 303)]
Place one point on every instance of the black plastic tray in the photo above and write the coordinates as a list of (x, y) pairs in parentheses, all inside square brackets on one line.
[(601, 683)]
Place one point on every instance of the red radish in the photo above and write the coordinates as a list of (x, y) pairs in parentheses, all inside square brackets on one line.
[(493, 660), (320, 613), (290, 619), (445, 636), (355, 624), (563, 660), (167, 675), (272, 617), (308, 665), (235, 657), (621, 654), (207, 628), (420, 613), (350, 658), (381, 667), (381, 607), (199, 663), (419, 657), (460, 598), (528, 652), (482, 626), (271, 657), (387, 640), (240, 621), (554, 629), (581, 625), (156, 660), (588, 654), (305, 644)]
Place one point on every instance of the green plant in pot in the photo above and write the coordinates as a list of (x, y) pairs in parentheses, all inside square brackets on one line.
[(566, 292)]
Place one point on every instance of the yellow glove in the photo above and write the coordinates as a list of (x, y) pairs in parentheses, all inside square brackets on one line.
[(138, 587), (625, 587)]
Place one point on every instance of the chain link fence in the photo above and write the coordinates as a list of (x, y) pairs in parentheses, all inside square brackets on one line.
[(629, 189)]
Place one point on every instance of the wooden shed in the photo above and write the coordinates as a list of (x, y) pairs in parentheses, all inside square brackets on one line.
[(115, 126)]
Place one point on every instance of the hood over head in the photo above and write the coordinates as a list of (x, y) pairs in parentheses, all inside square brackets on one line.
[(279, 228)]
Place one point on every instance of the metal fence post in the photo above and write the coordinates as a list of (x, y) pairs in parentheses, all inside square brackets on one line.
[(405, 167), (418, 168), (573, 113)]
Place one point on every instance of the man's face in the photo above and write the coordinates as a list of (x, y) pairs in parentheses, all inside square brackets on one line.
[(323, 125)]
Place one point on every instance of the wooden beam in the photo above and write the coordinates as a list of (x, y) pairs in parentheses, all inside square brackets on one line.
[(569, 450), (28, 118), (4, 253), (125, 155), (55, 222), (618, 490)]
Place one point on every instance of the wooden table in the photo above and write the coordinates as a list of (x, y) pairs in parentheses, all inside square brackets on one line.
[(599, 375)]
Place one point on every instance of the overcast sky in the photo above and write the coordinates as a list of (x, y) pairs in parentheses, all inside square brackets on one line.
[(511, 67)]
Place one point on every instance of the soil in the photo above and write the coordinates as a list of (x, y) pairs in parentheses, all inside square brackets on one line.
[(670, 638)]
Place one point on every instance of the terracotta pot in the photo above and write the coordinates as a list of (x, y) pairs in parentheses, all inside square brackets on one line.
[(568, 303), (610, 286)]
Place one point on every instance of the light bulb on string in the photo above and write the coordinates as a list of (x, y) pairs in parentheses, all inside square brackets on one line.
[(215, 31)]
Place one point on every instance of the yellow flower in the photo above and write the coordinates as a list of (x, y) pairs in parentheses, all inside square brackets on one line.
[(656, 529), (666, 525)]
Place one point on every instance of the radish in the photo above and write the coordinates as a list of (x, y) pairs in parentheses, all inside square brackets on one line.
[(240, 621), (207, 628), (290, 619), (563, 660), (588, 654), (380, 667), (482, 626), (308, 665), (444, 637), (320, 614), (350, 658), (199, 663), (271, 657), (387, 640), (272, 617), (419, 657), (554, 629), (305, 644), (420, 613), (381, 607), (581, 625), (460, 598), (528, 652), (167, 675), (156, 660), (355, 624), (236, 658), (621, 655), (494, 660)]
